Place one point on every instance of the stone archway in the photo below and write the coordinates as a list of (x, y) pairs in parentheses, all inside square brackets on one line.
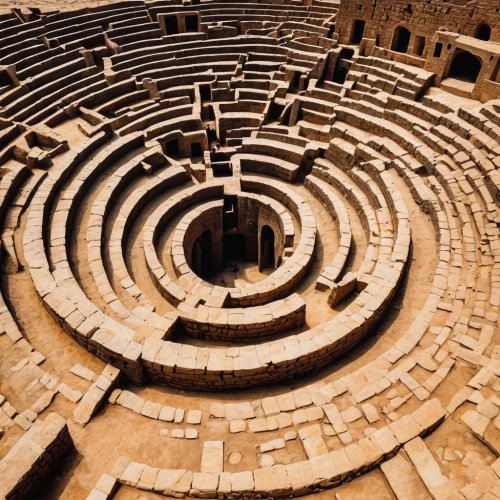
[(401, 39), (266, 255), (483, 32), (465, 66)]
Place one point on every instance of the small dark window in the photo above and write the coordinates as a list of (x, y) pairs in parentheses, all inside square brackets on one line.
[(438, 48), (192, 23), (171, 25)]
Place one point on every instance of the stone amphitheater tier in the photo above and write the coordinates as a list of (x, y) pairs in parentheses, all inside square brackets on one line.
[(352, 334)]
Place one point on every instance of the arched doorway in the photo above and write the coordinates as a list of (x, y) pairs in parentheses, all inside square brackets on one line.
[(465, 67), (401, 39), (266, 248), (201, 255), (483, 32)]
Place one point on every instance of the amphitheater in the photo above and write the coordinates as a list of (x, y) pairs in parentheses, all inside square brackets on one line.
[(250, 250)]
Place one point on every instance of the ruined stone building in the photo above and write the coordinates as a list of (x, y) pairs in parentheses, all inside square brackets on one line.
[(250, 250)]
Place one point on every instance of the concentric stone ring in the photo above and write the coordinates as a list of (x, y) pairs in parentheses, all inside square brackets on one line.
[(250, 251)]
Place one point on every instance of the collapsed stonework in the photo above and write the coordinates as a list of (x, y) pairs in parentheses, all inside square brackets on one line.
[(250, 250)]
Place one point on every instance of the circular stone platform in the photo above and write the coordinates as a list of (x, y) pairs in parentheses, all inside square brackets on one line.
[(249, 251)]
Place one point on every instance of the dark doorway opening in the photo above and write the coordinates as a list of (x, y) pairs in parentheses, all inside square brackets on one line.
[(401, 40), (171, 25), (342, 66), (172, 148), (201, 256), (234, 247), (266, 248), (222, 169), (465, 67), (419, 46), (196, 149), (206, 92), (192, 24), (340, 74), (438, 49), (275, 112), (358, 30), (483, 32), (296, 81)]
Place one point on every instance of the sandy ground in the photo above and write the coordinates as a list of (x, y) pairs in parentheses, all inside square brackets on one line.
[(116, 431)]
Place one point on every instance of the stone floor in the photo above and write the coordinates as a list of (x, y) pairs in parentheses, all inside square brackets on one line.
[(366, 365)]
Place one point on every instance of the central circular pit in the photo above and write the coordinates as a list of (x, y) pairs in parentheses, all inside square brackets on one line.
[(240, 228)]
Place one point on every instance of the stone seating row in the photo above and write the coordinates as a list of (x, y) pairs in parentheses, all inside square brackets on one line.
[(192, 48), (165, 66), (156, 224), (10, 185), (121, 103), (13, 41), (12, 219), (106, 15), (263, 164), (368, 216), (70, 63), (164, 78), (101, 207), (289, 153), (242, 325), (338, 212), (394, 71), (324, 471), (34, 456), (152, 116), (60, 294)]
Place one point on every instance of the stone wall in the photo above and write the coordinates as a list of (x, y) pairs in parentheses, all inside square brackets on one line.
[(421, 17), (34, 457)]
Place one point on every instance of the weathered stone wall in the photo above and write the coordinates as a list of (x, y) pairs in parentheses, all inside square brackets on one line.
[(33, 457), (421, 17)]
